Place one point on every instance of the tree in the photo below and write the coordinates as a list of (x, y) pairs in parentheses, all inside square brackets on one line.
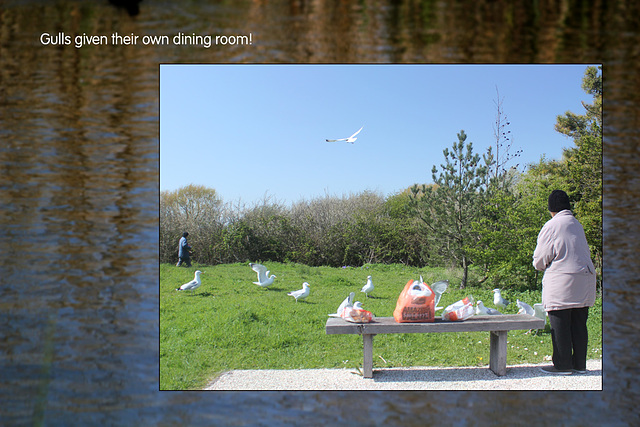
[(504, 142), (584, 161), (192, 202), (193, 208), (449, 207), (499, 229), (510, 221)]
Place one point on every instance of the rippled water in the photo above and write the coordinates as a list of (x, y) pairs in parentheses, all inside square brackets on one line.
[(79, 158)]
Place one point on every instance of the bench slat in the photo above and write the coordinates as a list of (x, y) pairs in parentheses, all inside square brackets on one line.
[(387, 325)]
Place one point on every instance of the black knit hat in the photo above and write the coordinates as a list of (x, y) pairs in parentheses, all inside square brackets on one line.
[(558, 201), (185, 234)]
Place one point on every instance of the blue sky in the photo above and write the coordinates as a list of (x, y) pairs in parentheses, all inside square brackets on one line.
[(254, 130)]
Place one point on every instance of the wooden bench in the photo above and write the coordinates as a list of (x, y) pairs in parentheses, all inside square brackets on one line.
[(497, 326)]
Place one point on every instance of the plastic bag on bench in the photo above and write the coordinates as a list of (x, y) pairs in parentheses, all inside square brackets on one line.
[(357, 315), (416, 303), (459, 310)]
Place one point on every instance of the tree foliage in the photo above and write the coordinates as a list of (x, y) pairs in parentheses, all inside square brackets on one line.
[(584, 161), (351, 230), (450, 206), (196, 209)]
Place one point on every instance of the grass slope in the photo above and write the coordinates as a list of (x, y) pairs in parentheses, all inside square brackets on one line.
[(230, 323)]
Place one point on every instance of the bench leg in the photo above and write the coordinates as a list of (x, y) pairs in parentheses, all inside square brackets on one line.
[(367, 348), (498, 352)]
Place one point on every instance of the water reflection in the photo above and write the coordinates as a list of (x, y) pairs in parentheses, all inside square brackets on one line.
[(79, 194), (78, 178)]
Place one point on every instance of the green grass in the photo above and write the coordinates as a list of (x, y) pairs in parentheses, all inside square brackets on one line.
[(230, 323)]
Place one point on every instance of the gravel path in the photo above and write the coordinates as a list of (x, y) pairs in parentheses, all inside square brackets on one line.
[(519, 377)]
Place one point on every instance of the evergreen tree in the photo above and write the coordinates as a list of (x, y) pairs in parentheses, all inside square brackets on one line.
[(450, 206), (584, 161), (499, 229)]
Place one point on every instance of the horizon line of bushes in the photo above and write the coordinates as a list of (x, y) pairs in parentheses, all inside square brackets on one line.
[(363, 228)]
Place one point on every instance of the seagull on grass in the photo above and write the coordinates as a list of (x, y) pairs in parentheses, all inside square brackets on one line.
[(264, 279), (351, 139), (368, 287), (192, 285), (302, 293)]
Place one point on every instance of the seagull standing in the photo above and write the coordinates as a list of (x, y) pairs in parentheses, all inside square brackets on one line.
[(498, 301), (264, 279), (524, 308), (192, 285), (348, 302), (368, 287), (351, 139), (481, 309), (302, 293)]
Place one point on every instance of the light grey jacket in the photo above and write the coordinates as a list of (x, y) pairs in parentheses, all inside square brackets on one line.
[(563, 254)]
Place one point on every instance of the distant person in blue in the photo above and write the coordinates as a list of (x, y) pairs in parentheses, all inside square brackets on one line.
[(184, 251)]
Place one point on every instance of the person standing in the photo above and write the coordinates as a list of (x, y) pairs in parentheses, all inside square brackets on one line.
[(568, 285), (184, 251)]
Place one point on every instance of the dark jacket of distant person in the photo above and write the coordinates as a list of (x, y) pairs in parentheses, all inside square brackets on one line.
[(183, 247)]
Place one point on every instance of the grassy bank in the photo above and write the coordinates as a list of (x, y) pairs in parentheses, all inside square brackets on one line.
[(230, 323)]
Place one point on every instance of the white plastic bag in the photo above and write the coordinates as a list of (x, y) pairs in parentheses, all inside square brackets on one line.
[(357, 315), (459, 310)]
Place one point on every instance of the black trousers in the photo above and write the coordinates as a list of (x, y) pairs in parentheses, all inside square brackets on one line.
[(569, 337), (187, 261)]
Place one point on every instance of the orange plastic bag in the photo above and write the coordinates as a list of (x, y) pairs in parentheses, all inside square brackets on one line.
[(416, 303)]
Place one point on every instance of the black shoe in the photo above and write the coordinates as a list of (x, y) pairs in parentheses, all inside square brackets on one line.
[(580, 371), (553, 370)]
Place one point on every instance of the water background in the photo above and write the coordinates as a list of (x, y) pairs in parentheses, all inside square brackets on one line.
[(79, 182)]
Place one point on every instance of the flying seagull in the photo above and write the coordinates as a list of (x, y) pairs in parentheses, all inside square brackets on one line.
[(192, 285), (264, 279), (351, 139), (302, 293)]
